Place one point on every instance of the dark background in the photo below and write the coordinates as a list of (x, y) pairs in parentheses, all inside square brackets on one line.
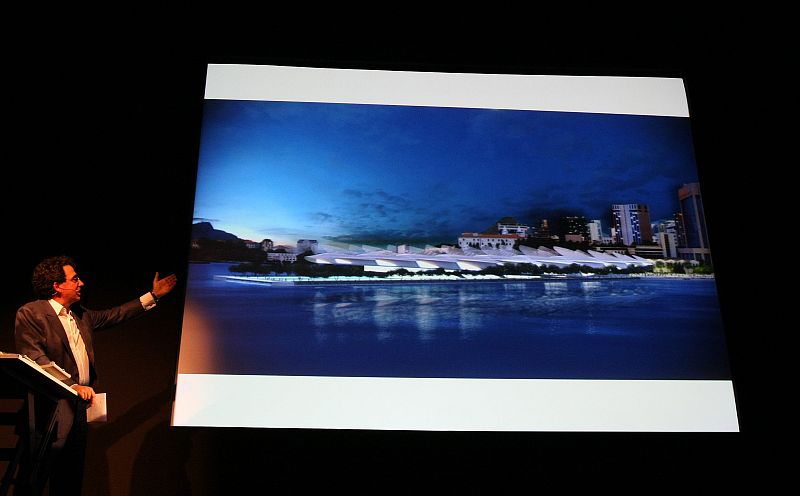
[(102, 136)]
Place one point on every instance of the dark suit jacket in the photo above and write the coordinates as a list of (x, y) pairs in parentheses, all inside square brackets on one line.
[(38, 333)]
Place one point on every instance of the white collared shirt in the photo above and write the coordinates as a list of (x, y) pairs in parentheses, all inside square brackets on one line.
[(76, 343)]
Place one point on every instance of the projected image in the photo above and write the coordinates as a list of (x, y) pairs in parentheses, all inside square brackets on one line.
[(393, 241)]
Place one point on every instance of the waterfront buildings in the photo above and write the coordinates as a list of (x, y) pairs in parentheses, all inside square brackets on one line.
[(595, 231), (306, 245), (487, 240), (576, 228), (632, 224), (472, 259), (282, 257), (509, 225), (694, 224), (668, 241)]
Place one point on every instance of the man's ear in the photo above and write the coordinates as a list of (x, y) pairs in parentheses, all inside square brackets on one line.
[(55, 289)]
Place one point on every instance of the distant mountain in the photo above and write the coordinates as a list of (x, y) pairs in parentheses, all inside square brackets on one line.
[(206, 230)]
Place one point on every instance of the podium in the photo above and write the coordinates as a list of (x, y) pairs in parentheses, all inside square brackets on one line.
[(23, 378)]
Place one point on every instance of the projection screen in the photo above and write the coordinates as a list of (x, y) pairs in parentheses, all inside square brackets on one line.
[(452, 252)]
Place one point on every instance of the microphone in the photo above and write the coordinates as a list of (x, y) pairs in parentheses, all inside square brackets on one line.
[(74, 290)]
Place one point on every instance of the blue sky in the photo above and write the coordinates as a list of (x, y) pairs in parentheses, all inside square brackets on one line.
[(378, 174)]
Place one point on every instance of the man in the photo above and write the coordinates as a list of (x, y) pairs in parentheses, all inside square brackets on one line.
[(55, 329)]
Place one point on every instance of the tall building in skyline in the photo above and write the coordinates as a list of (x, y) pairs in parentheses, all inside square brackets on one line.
[(668, 242), (595, 231), (632, 223), (575, 228), (667, 237), (696, 245), (679, 229)]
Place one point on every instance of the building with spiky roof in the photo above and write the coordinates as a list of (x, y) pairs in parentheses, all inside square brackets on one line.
[(473, 259)]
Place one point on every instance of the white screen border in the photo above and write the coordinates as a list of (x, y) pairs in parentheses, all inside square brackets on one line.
[(590, 94), (450, 404)]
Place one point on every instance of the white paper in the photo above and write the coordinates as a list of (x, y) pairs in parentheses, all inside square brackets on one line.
[(97, 411)]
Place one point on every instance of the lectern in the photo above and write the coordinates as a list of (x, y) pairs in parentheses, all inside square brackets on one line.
[(21, 377)]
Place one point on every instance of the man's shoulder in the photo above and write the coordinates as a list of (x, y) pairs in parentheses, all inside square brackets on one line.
[(35, 311), (35, 306)]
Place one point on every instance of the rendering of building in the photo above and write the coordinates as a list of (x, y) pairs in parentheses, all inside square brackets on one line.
[(694, 224), (509, 225), (649, 251), (632, 224), (668, 241), (306, 244), (576, 228), (471, 259), (264, 245), (595, 231), (491, 241), (282, 257)]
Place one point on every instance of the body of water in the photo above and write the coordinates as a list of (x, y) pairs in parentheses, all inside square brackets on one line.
[(645, 328)]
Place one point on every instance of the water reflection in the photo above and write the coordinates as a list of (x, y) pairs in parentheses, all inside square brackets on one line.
[(591, 287), (427, 312), (469, 320), (555, 289)]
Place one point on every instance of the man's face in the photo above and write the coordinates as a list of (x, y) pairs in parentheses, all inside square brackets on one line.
[(70, 290)]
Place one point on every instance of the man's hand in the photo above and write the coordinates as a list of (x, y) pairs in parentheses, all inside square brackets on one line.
[(163, 286), (85, 392)]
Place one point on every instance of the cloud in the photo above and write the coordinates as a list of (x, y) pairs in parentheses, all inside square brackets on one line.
[(322, 217), (359, 209), (383, 237), (390, 199)]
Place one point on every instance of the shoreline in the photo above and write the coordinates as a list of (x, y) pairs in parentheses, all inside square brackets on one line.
[(433, 279)]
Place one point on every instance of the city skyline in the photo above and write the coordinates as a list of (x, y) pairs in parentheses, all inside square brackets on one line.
[(377, 174)]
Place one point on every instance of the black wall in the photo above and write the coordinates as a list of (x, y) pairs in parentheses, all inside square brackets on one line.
[(104, 138)]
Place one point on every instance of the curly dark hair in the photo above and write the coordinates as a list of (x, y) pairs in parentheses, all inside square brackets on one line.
[(48, 271)]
